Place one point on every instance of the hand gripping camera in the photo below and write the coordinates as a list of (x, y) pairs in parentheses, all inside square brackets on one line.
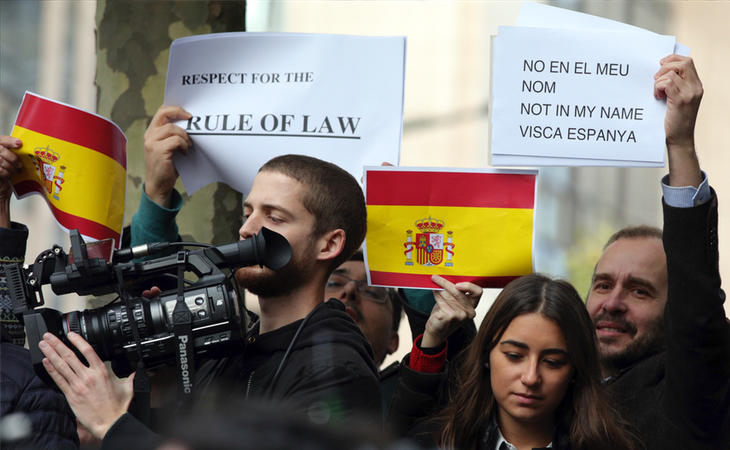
[(205, 313)]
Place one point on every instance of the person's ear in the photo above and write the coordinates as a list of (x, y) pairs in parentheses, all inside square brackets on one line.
[(331, 244), (394, 341)]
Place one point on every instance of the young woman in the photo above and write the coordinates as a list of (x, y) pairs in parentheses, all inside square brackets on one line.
[(530, 379)]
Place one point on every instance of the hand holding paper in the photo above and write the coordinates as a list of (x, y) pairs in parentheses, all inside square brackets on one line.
[(9, 165), (161, 140), (455, 304), (677, 81)]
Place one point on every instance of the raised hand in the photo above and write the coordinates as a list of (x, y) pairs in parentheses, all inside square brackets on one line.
[(161, 140), (677, 82), (455, 304)]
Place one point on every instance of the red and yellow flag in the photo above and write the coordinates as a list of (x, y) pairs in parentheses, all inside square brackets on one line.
[(465, 226), (77, 161)]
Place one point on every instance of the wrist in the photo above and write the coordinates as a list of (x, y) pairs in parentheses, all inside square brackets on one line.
[(100, 430), (684, 168), (431, 341), (157, 194)]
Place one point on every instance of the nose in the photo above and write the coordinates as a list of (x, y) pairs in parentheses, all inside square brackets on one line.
[(530, 374), (615, 302), (249, 227), (349, 291)]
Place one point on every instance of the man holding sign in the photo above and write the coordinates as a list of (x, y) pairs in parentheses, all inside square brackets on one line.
[(662, 331)]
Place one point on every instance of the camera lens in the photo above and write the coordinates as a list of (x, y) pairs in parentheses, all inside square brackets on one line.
[(108, 329)]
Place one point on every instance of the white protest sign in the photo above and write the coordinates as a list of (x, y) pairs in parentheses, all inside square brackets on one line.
[(254, 96), (577, 94)]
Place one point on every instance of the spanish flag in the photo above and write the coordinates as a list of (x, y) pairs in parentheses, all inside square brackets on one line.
[(465, 226), (75, 159)]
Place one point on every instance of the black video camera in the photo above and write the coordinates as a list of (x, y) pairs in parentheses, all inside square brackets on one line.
[(137, 328)]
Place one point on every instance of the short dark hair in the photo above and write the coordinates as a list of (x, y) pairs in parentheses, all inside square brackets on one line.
[(333, 196), (635, 232)]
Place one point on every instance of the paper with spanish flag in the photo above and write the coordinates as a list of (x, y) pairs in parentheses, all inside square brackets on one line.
[(465, 225), (75, 159)]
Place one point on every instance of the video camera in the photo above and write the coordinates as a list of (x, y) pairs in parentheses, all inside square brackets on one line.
[(156, 331)]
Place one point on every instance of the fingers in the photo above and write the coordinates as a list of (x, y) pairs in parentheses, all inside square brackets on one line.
[(167, 137), (64, 360), (152, 292), (164, 136), (10, 142), (464, 293), (57, 378), (169, 113), (10, 161), (677, 76), (86, 349)]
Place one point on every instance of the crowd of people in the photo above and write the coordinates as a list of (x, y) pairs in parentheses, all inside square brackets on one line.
[(642, 363)]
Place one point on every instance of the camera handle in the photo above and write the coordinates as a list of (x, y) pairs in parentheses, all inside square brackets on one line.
[(141, 407), (182, 326)]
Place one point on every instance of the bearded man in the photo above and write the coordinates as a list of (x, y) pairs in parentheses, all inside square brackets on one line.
[(302, 352)]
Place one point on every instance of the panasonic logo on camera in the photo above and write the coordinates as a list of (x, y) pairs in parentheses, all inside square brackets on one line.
[(183, 351)]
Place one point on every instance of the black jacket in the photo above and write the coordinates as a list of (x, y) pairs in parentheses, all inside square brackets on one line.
[(329, 372), (330, 361), (53, 425), (21, 391), (680, 398)]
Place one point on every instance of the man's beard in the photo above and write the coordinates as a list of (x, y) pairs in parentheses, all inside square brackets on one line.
[(638, 349), (269, 283)]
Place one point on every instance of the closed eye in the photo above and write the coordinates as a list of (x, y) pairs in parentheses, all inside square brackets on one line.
[(555, 363)]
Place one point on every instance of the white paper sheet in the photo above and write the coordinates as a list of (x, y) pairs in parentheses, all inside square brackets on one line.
[(589, 92), (258, 95)]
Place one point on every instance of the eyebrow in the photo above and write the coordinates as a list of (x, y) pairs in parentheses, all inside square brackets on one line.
[(635, 281), (549, 351), (601, 276), (642, 282)]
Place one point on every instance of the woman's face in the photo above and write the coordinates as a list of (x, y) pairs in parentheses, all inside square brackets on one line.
[(530, 371)]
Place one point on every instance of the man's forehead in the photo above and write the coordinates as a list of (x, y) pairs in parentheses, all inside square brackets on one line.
[(353, 269), (644, 255), (274, 188)]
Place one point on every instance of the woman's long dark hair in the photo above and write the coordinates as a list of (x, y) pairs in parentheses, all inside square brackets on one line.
[(585, 413)]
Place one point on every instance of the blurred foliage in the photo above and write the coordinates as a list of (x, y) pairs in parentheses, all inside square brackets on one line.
[(582, 257)]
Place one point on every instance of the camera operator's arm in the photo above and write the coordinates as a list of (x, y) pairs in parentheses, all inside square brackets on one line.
[(95, 395)]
